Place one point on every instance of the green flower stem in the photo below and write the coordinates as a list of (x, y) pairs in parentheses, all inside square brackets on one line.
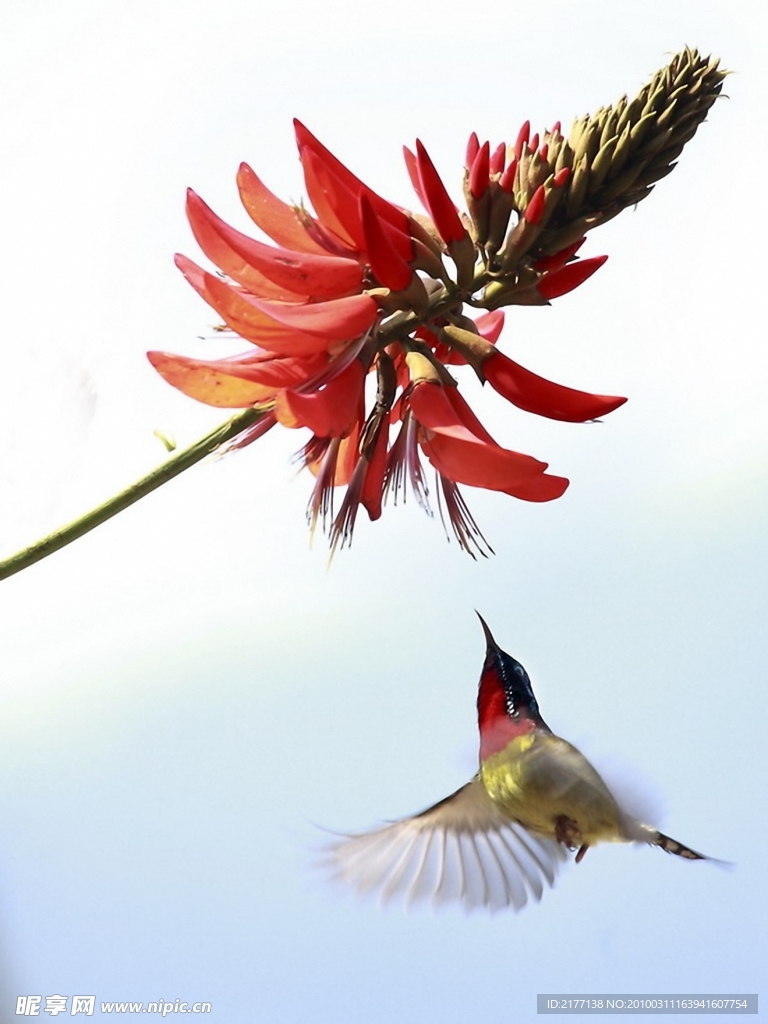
[(176, 464)]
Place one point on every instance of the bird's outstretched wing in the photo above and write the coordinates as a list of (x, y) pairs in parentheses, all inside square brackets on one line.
[(461, 850)]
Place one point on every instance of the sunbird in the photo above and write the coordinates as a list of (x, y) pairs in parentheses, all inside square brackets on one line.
[(496, 841)]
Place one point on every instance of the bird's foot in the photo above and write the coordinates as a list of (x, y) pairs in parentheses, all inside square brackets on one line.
[(568, 833), (582, 850)]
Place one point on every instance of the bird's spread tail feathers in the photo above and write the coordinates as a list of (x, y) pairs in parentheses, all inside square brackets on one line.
[(672, 846)]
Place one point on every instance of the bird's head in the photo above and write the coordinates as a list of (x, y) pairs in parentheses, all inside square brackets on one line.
[(506, 705)]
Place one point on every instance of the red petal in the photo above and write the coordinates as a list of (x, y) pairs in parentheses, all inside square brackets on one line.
[(386, 263), (337, 205), (493, 468), (535, 208), (561, 177), (540, 488), (563, 281), (412, 166), (295, 275), (332, 200), (462, 456), (489, 325), (275, 218), (543, 397), (211, 386), (559, 259), (327, 413), (286, 329), (439, 203), (473, 147), (481, 465), (499, 158), (507, 180), (373, 485), (522, 139), (466, 416), (244, 319), (478, 175), (385, 210), (337, 320), (435, 411)]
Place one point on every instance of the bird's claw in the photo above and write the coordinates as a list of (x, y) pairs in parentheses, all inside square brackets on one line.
[(568, 833)]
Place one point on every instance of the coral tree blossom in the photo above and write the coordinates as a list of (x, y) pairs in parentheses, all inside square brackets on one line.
[(360, 286)]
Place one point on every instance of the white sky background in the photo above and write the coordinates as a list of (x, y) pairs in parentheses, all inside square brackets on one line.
[(186, 690)]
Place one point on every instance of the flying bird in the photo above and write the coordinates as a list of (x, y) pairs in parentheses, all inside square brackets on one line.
[(495, 842)]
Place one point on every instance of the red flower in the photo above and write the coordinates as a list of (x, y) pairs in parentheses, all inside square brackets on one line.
[(360, 285)]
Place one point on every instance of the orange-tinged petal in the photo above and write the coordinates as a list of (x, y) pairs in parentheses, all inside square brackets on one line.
[(276, 219), (293, 276), (327, 413), (206, 384), (284, 413), (543, 397), (335, 456), (202, 221), (349, 454), (274, 372), (314, 451)]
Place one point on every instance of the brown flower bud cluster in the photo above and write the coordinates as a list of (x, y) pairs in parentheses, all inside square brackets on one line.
[(561, 187)]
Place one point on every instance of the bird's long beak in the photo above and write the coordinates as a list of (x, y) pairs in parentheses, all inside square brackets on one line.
[(492, 646)]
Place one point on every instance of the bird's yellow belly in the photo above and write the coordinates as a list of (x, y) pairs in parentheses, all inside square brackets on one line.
[(538, 780)]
